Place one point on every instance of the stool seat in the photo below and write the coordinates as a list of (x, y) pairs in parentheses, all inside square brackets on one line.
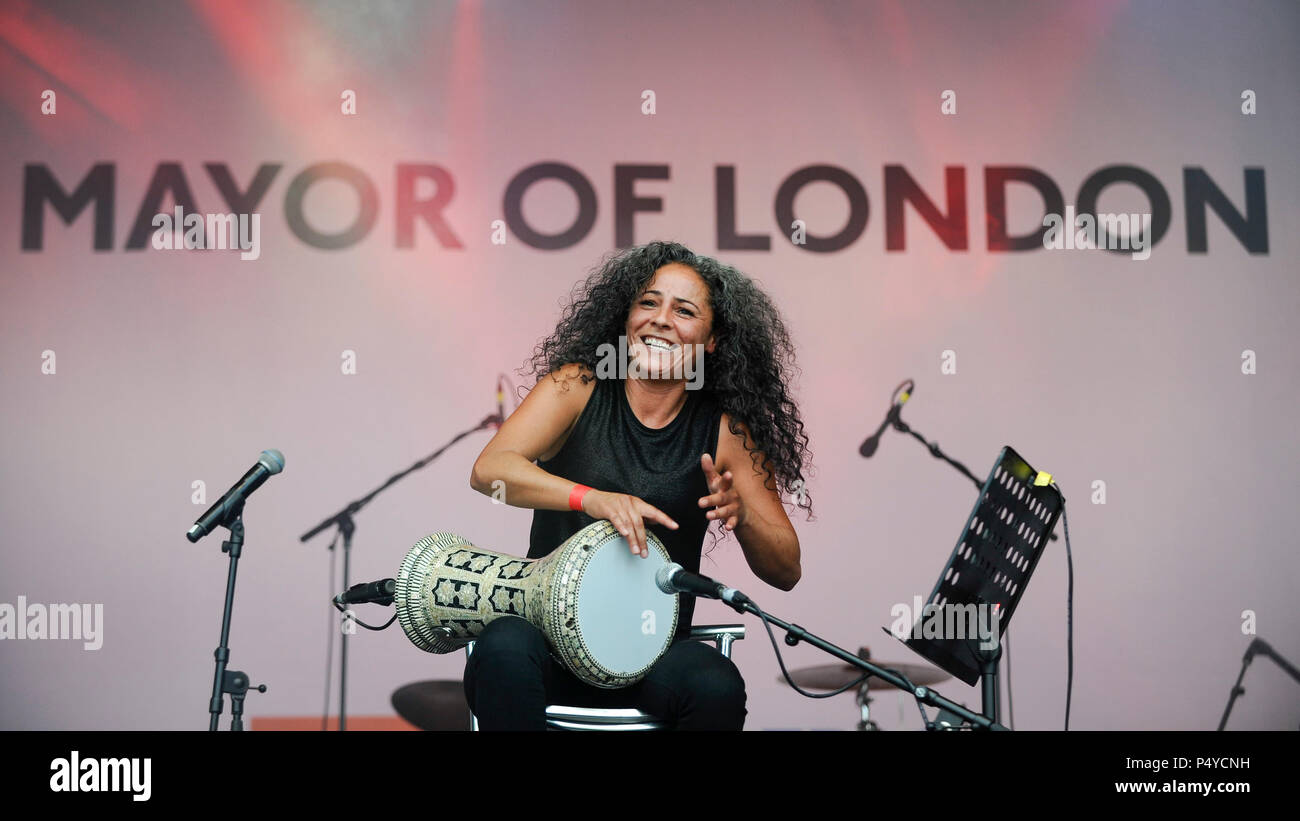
[(560, 717)]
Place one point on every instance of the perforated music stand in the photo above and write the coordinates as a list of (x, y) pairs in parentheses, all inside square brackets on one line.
[(990, 566)]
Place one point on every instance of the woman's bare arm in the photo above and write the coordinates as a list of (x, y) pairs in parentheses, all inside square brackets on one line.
[(535, 429), (769, 541), (538, 428)]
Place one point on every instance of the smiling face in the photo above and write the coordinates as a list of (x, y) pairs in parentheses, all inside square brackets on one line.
[(667, 320)]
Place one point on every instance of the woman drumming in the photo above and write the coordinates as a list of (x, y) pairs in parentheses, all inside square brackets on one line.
[(660, 450)]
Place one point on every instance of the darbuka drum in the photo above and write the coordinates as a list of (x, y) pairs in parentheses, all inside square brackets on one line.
[(595, 602)]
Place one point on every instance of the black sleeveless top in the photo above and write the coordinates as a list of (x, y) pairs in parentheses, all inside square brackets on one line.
[(610, 450)]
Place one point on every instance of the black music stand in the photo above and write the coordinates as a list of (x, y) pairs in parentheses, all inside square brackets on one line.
[(990, 567)]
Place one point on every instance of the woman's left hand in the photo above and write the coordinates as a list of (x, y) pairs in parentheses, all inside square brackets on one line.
[(725, 501)]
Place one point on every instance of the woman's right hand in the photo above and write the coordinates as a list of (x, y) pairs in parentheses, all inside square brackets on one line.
[(628, 514)]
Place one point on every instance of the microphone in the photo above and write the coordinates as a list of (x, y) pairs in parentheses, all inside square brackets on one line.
[(869, 446), (501, 409), (380, 592), (673, 578), (268, 464)]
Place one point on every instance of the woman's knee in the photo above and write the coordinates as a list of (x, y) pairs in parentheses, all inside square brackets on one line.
[(505, 676), (507, 641), (700, 670), (720, 682)]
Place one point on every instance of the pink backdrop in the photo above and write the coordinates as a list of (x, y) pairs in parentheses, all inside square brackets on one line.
[(177, 366)]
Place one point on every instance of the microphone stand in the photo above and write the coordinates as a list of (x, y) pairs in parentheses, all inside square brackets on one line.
[(894, 419), (899, 425), (1256, 646), (346, 527), (225, 681), (933, 447), (795, 634)]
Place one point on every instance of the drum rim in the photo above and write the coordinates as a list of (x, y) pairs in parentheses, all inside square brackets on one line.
[(604, 532)]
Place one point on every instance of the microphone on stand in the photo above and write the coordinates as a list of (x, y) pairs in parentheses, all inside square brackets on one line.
[(869, 446), (380, 592), (495, 420), (673, 578), (902, 393), (501, 398), (269, 463)]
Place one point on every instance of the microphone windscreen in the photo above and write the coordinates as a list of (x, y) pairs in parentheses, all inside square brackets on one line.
[(664, 576), (272, 460)]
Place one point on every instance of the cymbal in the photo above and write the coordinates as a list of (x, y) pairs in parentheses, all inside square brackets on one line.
[(835, 676), (433, 705)]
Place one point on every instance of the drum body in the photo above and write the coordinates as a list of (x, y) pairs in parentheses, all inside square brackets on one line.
[(596, 603)]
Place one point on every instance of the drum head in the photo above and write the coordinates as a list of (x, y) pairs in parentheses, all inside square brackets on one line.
[(625, 620)]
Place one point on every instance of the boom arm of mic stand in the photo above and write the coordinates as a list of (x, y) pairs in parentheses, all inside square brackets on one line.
[(353, 507), (796, 634), (344, 522), (1258, 647), (1265, 649), (933, 447)]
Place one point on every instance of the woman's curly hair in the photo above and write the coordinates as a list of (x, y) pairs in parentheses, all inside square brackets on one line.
[(747, 374)]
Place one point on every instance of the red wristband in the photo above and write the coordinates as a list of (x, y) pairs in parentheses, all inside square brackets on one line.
[(575, 496)]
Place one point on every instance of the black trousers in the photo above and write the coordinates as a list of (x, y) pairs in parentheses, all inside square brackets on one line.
[(510, 678)]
